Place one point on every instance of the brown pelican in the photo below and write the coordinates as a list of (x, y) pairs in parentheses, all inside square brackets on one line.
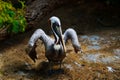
[(55, 49)]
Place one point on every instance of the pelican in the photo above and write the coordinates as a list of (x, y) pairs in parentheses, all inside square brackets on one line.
[(55, 49)]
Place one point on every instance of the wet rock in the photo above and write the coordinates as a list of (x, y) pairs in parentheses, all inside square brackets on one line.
[(116, 52), (107, 59), (83, 37), (21, 73), (98, 57), (95, 47), (94, 38), (113, 38), (102, 39), (91, 57)]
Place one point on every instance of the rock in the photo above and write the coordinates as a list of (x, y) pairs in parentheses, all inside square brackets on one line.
[(68, 66), (21, 73), (116, 52), (95, 47), (110, 69)]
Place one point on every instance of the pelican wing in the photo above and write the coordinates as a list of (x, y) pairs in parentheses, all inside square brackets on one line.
[(71, 34), (38, 34)]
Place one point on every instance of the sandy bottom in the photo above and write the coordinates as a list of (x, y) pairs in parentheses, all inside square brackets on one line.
[(100, 59)]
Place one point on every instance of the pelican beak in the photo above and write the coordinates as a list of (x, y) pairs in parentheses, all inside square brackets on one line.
[(59, 33), (56, 28), (63, 43)]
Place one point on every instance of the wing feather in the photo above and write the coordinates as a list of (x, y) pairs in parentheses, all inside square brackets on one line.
[(38, 34), (72, 35)]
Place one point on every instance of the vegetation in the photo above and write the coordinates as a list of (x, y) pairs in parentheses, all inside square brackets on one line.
[(12, 19)]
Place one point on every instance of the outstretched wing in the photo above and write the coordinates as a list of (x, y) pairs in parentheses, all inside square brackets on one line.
[(71, 34), (32, 52), (38, 34)]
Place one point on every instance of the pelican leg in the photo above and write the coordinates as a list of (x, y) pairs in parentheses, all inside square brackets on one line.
[(60, 64), (60, 70), (50, 68), (50, 65)]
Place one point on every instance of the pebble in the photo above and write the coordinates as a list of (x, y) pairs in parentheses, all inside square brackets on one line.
[(68, 66), (21, 73), (110, 69), (116, 52)]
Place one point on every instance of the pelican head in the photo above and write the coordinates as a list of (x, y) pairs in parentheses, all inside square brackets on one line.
[(57, 31)]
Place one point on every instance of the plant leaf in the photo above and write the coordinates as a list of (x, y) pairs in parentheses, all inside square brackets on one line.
[(15, 26)]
